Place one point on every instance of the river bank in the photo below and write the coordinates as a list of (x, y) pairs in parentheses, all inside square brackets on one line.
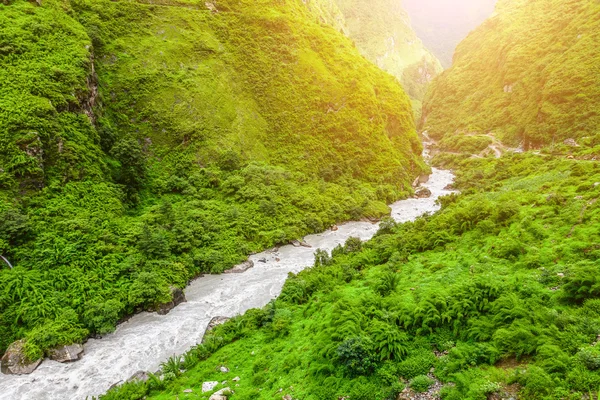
[(147, 339)]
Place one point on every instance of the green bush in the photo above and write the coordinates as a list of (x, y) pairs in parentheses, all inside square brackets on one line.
[(357, 355), (421, 383)]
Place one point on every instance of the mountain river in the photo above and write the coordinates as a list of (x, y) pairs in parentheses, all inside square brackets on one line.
[(147, 339)]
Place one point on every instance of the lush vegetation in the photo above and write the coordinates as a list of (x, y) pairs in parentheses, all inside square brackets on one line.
[(382, 32), (143, 143), (529, 74), (498, 292)]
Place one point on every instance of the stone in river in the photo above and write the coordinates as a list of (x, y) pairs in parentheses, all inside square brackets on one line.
[(68, 353), (243, 267), (177, 297), (423, 193), (14, 361)]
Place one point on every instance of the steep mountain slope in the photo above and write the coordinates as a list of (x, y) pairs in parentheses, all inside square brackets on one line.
[(382, 32), (528, 75), (143, 143), (443, 24)]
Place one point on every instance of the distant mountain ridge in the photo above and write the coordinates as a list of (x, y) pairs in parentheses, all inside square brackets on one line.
[(382, 32), (528, 80), (442, 24)]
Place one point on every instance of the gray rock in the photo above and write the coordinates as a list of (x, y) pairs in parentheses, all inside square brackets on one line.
[(295, 243), (177, 297), (423, 193), (69, 353), (304, 244), (236, 379), (188, 391), (571, 143), (208, 386), (220, 395), (14, 361), (423, 178), (243, 267), (224, 369), (140, 376)]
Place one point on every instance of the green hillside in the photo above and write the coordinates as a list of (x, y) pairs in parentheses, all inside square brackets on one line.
[(496, 296), (143, 143), (530, 75), (382, 32)]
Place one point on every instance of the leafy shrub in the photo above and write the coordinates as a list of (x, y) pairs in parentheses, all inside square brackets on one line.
[(415, 365), (421, 383), (53, 333), (172, 366), (357, 355), (389, 341), (149, 289), (589, 357), (387, 283), (102, 316), (582, 283)]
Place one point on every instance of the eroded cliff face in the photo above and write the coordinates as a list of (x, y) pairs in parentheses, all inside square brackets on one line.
[(529, 75)]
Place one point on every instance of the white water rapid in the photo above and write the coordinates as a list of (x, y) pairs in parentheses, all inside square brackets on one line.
[(148, 339)]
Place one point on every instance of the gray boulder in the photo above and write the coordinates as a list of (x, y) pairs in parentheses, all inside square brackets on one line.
[(243, 267), (140, 376), (14, 361), (423, 193), (72, 352), (177, 297)]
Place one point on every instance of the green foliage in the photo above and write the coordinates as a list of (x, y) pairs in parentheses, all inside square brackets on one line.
[(528, 75), (142, 145), (357, 355), (171, 366), (486, 320), (417, 364), (148, 289), (101, 316), (589, 357), (421, 383), (383, 35)]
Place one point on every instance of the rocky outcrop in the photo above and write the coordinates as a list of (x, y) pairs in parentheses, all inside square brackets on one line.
[(69, 353), (177, 297), (243, 267), (14, 361)]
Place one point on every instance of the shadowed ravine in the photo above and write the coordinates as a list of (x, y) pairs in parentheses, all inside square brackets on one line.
[(147, 339)]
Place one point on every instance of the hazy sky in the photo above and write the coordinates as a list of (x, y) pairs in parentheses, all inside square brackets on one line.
[(442, 24)]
